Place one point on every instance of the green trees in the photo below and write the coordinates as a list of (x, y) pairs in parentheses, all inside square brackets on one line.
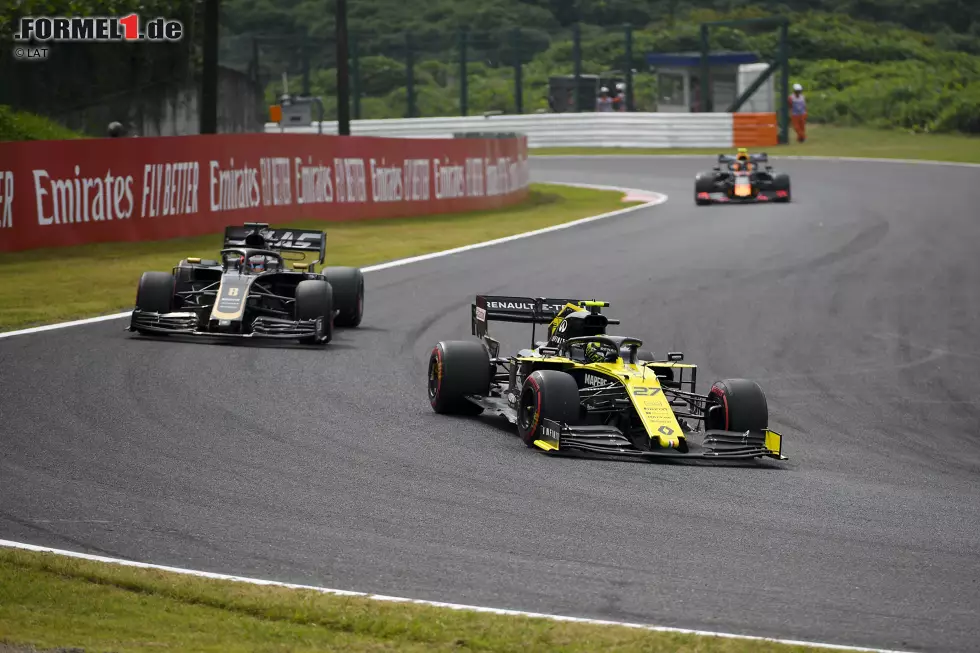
[(879, 62)]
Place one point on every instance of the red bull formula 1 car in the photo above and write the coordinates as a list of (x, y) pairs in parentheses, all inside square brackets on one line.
[(740, 179)]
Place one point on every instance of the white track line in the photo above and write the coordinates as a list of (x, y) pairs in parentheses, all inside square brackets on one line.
[(655, 199), (438, 604), (790, 157)]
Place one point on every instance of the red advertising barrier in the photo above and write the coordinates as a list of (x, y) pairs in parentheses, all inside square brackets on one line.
[(62, 193)]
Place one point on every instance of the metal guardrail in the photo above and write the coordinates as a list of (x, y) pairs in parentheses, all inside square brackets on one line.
[(626, 130)]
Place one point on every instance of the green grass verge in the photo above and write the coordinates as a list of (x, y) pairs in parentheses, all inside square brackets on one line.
[(56, 601), (52, 285), (827, 140)]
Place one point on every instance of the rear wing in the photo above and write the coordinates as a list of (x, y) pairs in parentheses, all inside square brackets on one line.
[(258, 235), (762, 157), (524, 310)]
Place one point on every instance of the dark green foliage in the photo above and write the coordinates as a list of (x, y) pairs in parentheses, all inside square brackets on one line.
[(22, 126), (894, 63), (859, 60)]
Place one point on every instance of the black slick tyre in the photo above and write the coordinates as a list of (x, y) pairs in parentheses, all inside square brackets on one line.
[(314, 299), (737, 405), (458, 368), (348, 294), (155, 293), (703, 183), (546, 394), (781, 182)]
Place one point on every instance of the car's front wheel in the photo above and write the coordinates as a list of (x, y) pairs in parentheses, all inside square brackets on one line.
[(314, 300), (703, 183), (737, 405), (780, 182), (547, 395), (155, 293)]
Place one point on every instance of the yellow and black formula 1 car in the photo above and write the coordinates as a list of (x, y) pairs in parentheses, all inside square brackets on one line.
[(740, 179), (584, 391)]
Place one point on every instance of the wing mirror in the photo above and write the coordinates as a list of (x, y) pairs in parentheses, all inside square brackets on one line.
[(675, 356)]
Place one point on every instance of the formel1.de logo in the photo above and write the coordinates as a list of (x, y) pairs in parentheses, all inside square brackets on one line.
[(96, 29)]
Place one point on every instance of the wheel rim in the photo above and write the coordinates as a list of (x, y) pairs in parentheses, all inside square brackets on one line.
[(434, 377), (525, 409)]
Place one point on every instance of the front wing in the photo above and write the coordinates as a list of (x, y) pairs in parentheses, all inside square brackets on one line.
[(720, 197), (189, 323), (716, 445)]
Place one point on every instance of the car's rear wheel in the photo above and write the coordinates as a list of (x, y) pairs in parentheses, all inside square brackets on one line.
[(314, 300), (547, 394), (737, 405), (348, 294), (458, 368)]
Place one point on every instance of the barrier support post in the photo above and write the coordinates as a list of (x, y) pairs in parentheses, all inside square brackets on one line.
[(343, 72), (464, 92), (629, 68), (409, 75), (304, 53), (208, 116), (355, 75), (577, 57), (784, 83), (518, 71), (705, 71)]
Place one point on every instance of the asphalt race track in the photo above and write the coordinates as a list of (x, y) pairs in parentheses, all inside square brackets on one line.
[(856, 307)]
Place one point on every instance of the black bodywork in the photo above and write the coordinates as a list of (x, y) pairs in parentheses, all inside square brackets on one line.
[(734, 181), (235, 298)]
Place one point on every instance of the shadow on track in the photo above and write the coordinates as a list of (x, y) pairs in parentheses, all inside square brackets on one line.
[(257, 343), (500, 424)]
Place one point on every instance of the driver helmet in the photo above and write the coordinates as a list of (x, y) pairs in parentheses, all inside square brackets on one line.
[(743, 154), (256, 263), (599, 352)]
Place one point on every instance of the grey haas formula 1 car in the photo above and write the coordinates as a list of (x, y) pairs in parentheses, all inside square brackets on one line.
[(252, 292), (741, 179), (584, 391)]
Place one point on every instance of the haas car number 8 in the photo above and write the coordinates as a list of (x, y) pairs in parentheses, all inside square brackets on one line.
[(262, 286), (586, 391)]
